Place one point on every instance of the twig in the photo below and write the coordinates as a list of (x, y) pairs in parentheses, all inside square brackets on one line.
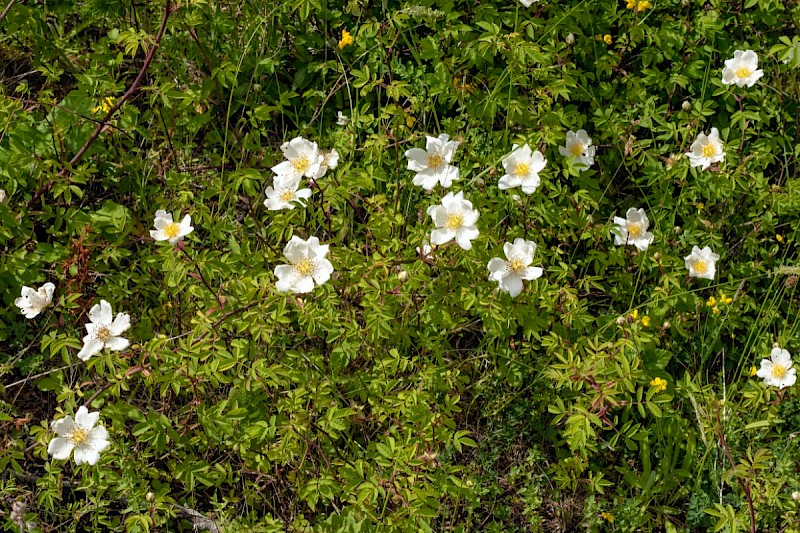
[(199, 521), (41, 375)]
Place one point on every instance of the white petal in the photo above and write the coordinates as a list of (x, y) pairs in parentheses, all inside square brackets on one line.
[(85, 419), (442, 235), (101, 313), (322, 271), (90, 348), (303, 284), (60, 448), (85, 454), (63, 426), (121, 323), (117, 344), (513, 284)]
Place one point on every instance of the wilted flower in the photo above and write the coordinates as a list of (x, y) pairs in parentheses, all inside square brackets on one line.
[(329, 160), (632, 229), (341, 119), (308, 265), (81, 435), (702, 263), (432, 165), (33, 301), (284, 193), (454, 219), (103, 332), (579, 148), (303, 159), (706, 149), (777, 371), (167, 230), (509, 274), (742, 69), (522, 169)]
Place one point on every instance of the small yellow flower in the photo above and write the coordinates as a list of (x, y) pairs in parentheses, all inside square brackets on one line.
[(631, 4), (660, 384), (711, 302), (700, 206), (346, 39), (753, 371), (716, 310), (779, 237), (724, 299), (607, 516), (635, 314), (105, 105), (645, 321), (607, 38), (641, 6)]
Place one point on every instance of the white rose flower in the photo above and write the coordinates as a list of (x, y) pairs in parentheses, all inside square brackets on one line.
[(777, 371), (578, 147), (702, 263), (341, 119), (167, 230), (284, 192), (329, 160), (632, 229), (528, 3), (83, 436), (33, 301), (103, 332), (706, 149), (522, 169), (432, 165), (308, 265), (454, 219), (303, 159), (509, 274), (742, 69)]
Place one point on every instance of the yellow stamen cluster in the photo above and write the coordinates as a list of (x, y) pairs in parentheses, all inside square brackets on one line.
[(743, 72), (778, 370), (304, 267), (103, 333), (634, 230), (515, 265), (287, 196), (301, 164), (435, 161), (522, 169), (708, 150), (454, 221), (700, 266), (172, 229), (78, 436), (577, 150)]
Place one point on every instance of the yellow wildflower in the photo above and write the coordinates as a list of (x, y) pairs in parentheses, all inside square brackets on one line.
[(346, 39), (631, 4), (607, 38), (711, 302), (635, 314), (724, 299), (645, 321), (753, 371), (607, 516), (105, 105), (716, 310), (779, 237), (700, 206), (641, 6), (660, 384)]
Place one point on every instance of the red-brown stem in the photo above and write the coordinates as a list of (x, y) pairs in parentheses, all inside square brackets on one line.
[(743, 481)]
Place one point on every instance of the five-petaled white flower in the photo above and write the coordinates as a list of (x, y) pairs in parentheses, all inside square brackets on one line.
[(82, 435), (706, 149), (455, 219), (329, 160), (32, 302), (578, 147), (509, 274), (167, 230), (742, 69), (303, 159), (432, 164), (632, 229), (284, 193), (103, 332), (777, 371), (522, 169), (308, 265), (702, 263)]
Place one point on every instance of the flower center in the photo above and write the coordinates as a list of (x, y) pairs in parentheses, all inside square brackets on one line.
[(454, 221), (301, 164), (287, 196), (435, 161), (172, 229), (778, 371), (103, 333), (304, 267), (709, 150), (700, 266), (516, 264), (78, 436), (577, 150), (743, 72), (634, 230), (522, 169)]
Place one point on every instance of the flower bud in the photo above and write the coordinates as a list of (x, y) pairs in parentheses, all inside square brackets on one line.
[(402, 275), (678, 230), (479, 182), (686, 105), (796, 495), (150, 497), (570, 39)]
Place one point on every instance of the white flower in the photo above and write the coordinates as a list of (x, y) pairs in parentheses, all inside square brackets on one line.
[(510, 273), (432, 165), (454, 219), (522, 169), (284, 193), (702, 263), (303, 159), (528, 3), (742, 69), (579, 148), (632, 229), (81, 435), (341, 119), (103, 332), (707, 149), (32, 302), (308, 265), (570, 39), (329, 160), (167, 230), (777, 371)]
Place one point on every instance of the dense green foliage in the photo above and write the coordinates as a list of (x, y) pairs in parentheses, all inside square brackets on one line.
[(406, 393)]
